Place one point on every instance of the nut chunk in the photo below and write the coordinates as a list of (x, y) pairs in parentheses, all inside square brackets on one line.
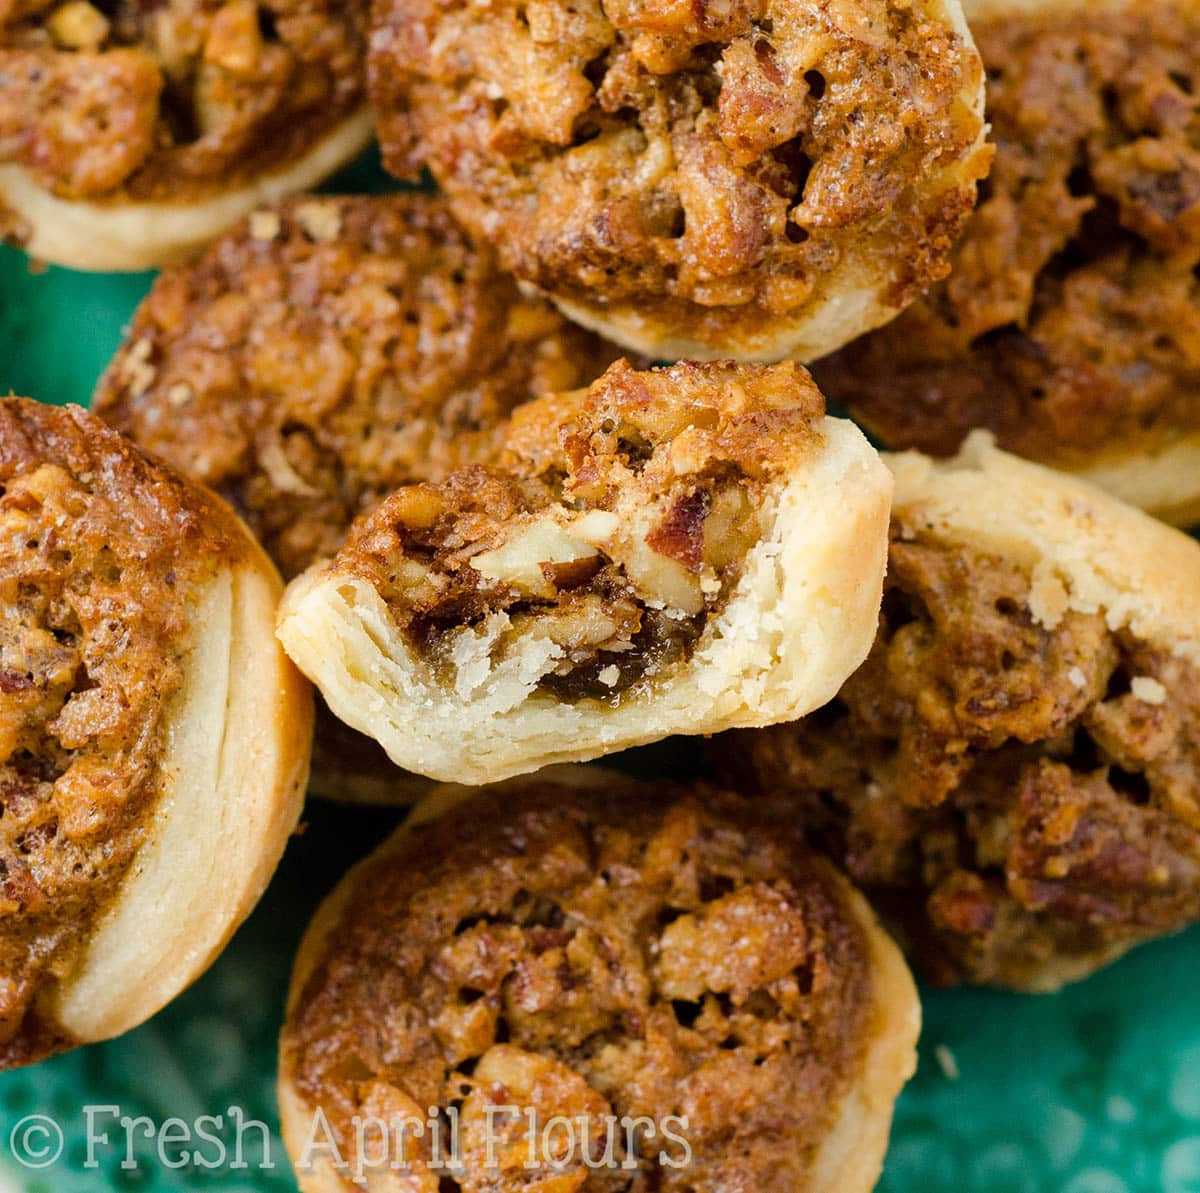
[(674, 551), (319, 355), (328, 350), (1070, 325)]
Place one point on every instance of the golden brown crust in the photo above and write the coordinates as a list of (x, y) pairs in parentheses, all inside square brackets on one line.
[(1013, 771), (677, 550), (1070, 326), (1088, 550), (766, 178), (329, 350), (234, 781), (107, 577), (601, 952), (1163, 480)]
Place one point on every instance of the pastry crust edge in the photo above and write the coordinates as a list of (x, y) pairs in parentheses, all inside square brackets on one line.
[(1084, 549), (233, 793), (1162, 481)]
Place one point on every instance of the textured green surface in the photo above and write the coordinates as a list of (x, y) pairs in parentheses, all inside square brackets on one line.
[(1096, 1090)]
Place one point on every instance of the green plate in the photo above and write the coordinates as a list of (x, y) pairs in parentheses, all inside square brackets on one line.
[(1095, 1090)]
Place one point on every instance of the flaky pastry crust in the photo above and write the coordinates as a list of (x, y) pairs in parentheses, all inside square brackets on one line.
[(125, 236), (673, 551)]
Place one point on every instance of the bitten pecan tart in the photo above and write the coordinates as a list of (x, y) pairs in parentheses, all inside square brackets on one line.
[(707, 1001), (318, 356), (1013, 774), (132, 133), (1070, 326), (756, 179), (679, 550), (153, 738)]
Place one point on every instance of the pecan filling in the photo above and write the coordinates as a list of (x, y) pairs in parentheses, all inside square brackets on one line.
[(695, 156), (1070, 324), (1022, 776), (616, 525), (330, 350), (593, 956)]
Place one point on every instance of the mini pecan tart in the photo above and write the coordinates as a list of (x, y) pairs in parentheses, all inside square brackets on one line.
[(755, 179), (131, 133), (679, 550), (1070, 325), (1013, 775), (153, 738), (707, 1002)]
